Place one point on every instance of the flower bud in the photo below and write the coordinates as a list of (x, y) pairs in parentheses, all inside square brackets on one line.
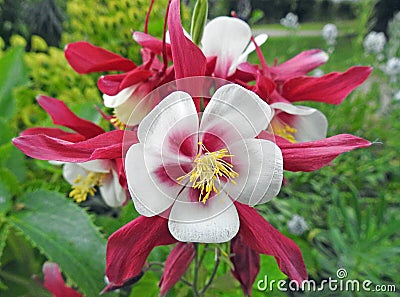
[(199, 19)]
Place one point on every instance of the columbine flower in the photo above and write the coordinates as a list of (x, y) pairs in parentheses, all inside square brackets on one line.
[(89, 142), (85, 177), (121, 91), (374, 42), (290, 21), (54, 282), (228, 39), (297, 225), (196, 170), (282, 84), (330, 33)]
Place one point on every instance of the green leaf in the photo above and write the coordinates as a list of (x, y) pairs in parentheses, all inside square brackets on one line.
[(4, 229), (5, 199), (66, 235), (13, 73), (147, 286), (13, 159)]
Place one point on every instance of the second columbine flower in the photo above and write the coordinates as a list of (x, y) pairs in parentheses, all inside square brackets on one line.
[(191, 170)]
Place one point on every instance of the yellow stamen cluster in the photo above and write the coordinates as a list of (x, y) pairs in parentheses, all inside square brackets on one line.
[(85, 186), (117, 122), (285, 131), (208, 168)]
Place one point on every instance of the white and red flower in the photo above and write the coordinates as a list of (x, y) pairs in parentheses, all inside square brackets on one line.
[(229, 40), (86, 176), (89, 153), (197, 169)]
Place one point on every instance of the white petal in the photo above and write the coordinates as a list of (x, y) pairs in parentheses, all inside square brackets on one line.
[(260, 167), (71, 171), (120, 98), (310, 123), (235, 113), (260, 40), (215, 221), (226, 38), (311, 127), (113, 193), (169, 124), (100, 166), (150, 195), (293, 109)]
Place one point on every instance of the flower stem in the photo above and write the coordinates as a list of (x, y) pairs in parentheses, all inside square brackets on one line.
[(196, 270), (214, 272), (198, 259)]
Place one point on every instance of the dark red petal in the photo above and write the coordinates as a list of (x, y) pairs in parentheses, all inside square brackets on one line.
[(176, 265), (152, 43), (211, 62), (54, 132), (331, 88), (246, 263), (245, 72), (86, 58), (114, 83), (264, 87), (54, 282), (104, 146), (129, 247), (261, 237), (299, 65), (188, 59), (313, 155), (63, 116)]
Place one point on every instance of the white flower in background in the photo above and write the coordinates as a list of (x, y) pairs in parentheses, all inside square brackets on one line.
[(290, 21), (229, 39), (193, 171), (243, 9), (392, 67), (397, 95), (85, 177), (330, 33), (374, 42), (297, 225)]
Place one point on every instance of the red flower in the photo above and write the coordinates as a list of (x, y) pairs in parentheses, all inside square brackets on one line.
[(54, 282), (88, 142)]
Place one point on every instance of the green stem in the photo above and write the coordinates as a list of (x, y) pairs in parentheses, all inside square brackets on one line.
[(214, 272), (196, 270)]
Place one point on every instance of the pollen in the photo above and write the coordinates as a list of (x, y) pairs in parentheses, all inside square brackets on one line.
[(86, 186), (207, 171), (117, 123), (284, 130)]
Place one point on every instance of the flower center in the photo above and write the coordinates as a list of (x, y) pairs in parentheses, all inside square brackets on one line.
[(85, 186), (284, 130), (208, 168)]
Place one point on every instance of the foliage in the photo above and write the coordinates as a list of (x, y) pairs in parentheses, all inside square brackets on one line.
[(109, 24)]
